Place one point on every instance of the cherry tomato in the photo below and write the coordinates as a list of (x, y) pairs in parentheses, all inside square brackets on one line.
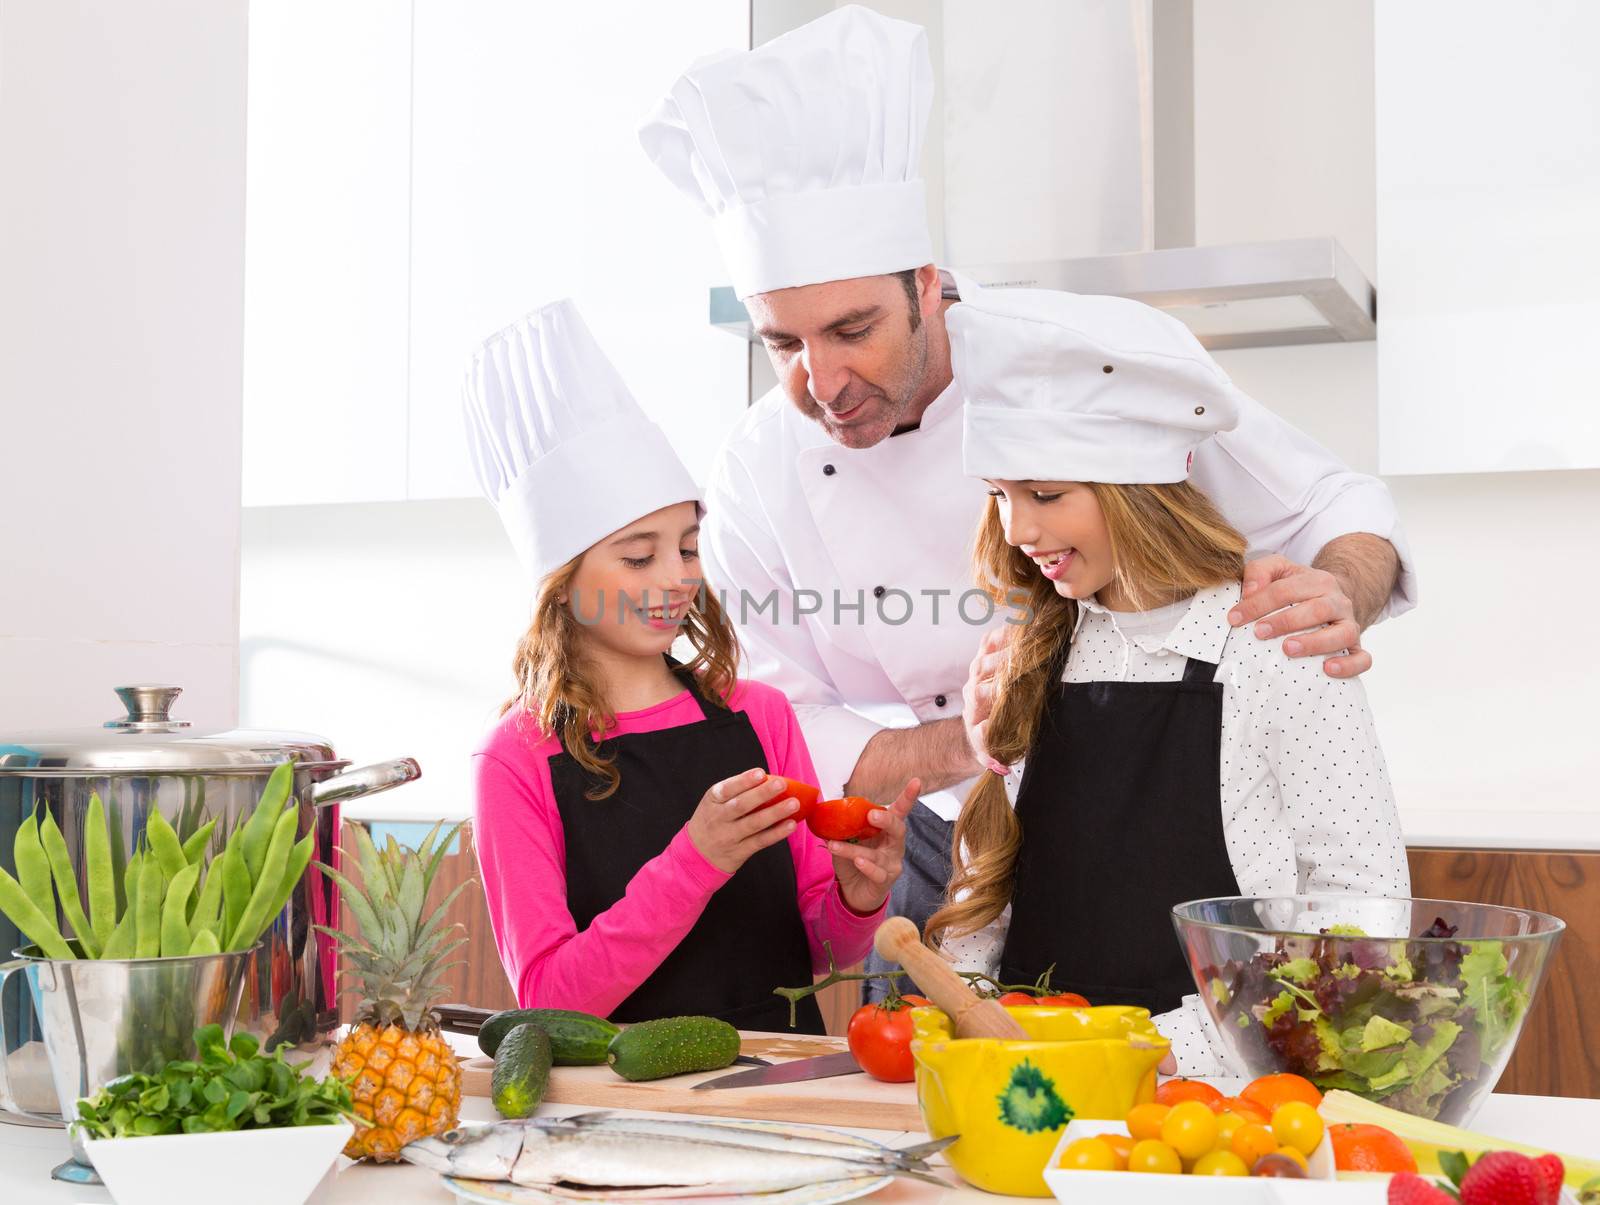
[(1298, 1125), (1089, 1155), (1248, 1109), (1280, 1166), (1144, 1121), (1220, 1163), (1175, 1090), (1190, 1129), (880, 1038), (802, 793), (1019, 999), (1062, 1000), (1122, 1146), (843, 819), (1153, 1156), (1253, 1142)]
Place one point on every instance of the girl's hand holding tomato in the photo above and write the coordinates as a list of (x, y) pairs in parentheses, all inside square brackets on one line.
[(739, 816), (868, 866)]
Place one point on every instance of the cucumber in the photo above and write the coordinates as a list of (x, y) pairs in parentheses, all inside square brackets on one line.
[(521, 1071), (673, 1046), (577, 1039)]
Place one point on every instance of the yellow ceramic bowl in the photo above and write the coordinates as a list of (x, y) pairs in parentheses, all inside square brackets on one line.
[(1010, 1100)]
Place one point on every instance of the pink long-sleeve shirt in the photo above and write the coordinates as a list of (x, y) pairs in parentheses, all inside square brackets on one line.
[(521, 850)]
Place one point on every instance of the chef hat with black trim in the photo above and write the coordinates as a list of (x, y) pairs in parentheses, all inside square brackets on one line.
[(559, 444), (1067, 387), (806, 151)]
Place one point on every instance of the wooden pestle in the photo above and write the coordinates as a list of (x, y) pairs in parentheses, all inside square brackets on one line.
[(971, 1016)]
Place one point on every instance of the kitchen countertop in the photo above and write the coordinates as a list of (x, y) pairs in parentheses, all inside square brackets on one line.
[(27, 1155)]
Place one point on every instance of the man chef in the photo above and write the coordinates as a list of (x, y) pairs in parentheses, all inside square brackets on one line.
[(838, 520)]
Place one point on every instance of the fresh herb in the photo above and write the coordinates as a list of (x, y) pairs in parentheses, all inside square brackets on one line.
[(232, 1086), (1406, 1022)]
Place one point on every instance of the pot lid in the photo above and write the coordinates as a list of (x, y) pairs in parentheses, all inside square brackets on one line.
[(147, 740)]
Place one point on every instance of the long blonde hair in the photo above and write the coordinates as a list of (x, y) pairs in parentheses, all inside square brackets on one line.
[(561, 696), (1167, 541)]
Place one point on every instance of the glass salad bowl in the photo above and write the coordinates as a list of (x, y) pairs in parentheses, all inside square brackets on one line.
[(1414, 1003)]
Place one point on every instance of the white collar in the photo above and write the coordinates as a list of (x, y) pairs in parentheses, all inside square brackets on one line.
[(1200, 633)]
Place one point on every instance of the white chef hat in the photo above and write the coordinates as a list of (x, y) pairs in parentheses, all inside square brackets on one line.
[(558, 443), (806, 150), (1066, 387)]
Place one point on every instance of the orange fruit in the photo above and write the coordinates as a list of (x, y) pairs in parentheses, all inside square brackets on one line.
[(1270, 1091), (1190, 1129), (1153, 1156), (1220, 1163), (1288, 1152), (1253, 1141), (1089, 1155), (1144, 1121), (1298, 1125), (1176, 1091), (1121, 1145), (1244, 1108), (1369, 1148)]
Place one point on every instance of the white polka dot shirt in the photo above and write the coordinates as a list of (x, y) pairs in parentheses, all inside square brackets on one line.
[(1306, 802)]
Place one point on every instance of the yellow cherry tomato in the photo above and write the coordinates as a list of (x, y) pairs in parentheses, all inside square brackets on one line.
[(1220, 1163), (1151, 1155), (1144, 1121), (1297, 1125), (1120, 1145), (1228, 1124), (1089, 1155), (1190, 1129), (1252, 1141), (1288, 1152)]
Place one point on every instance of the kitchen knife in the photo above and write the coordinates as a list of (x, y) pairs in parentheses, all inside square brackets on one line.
[(793, 1072)]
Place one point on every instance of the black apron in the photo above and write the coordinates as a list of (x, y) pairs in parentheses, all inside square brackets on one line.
[(750, 938), (1121, 814)]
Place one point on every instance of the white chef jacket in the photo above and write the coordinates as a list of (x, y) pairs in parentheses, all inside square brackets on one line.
[(789, 510), (1307, 807)]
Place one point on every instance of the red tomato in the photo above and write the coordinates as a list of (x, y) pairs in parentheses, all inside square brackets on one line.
[(1175, 1090), (1063, 1000), (843, 819), (802, 793), (917, 1001), (1019, 999), (880, 1038), (1248, 1109)]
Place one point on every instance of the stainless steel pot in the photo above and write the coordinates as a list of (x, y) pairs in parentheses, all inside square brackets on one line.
[(147, 760)]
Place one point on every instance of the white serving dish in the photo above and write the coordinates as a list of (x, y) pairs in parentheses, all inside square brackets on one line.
[(1129, 1188), (280, 1166)]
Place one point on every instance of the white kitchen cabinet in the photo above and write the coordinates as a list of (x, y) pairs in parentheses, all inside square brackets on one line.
[(326, 249), (529, 184), (1488, 176), (423, 174)]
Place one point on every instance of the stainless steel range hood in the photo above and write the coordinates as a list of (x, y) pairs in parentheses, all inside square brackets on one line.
[(1268, 294), (1240, 295)]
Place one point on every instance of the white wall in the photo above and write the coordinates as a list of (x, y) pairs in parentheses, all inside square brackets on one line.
[(1484, 695), (121, 295)]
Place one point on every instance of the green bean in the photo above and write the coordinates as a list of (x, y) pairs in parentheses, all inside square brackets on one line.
[(119, 854), (151, 883), (55, 848), (121, 943), (208, 906), (165, 844), (255, 916), (175, 935), (194, 849), (205, 942), (24, 913), (33, 868), (299, 859), (102, 879), (262, 824), (235, 887)]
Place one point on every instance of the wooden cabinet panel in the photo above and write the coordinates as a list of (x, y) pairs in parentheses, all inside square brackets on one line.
[(1553, 1056)]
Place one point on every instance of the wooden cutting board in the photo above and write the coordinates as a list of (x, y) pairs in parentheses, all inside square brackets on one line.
[(852, 1101)]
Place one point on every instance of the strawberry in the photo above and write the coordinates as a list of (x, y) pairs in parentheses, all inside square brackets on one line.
[(1407, 1189), (1552, 1173), (1502, 1178)]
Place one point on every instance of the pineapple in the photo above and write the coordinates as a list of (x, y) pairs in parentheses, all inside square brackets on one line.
[(402, 1072)]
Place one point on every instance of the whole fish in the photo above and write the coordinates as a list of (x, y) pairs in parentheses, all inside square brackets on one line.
[(591, 1156)]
